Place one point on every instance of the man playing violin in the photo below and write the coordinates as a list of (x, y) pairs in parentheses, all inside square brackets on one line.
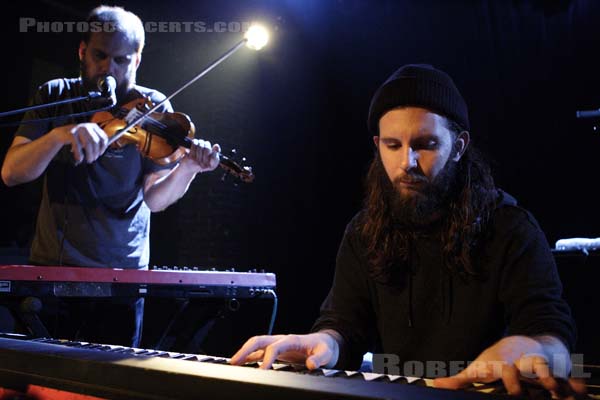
[(97, 200)]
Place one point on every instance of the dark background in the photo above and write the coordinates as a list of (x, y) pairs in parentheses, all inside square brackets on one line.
[(297, 111)]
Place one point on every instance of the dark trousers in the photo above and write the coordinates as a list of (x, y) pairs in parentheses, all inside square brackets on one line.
[(113, 320)]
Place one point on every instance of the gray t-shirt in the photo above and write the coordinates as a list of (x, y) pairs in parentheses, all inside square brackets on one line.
[(91, 215)]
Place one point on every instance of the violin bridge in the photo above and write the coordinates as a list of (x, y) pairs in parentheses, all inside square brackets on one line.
[(132, 115)]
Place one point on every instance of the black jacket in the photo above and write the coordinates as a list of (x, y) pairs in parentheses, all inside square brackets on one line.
[(440, 317)]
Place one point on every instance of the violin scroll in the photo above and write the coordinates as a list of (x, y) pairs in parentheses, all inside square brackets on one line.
[(243, 173)]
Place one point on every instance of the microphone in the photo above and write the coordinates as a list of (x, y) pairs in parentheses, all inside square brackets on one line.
[(107, 86), (588, 114)]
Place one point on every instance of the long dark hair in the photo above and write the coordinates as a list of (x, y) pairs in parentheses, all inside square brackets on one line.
[(469, 205)]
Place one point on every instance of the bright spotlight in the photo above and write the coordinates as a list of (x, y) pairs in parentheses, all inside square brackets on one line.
[(256, 37)]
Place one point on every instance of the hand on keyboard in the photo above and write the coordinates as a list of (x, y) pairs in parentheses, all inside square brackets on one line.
[(314, 350), (516, 360)]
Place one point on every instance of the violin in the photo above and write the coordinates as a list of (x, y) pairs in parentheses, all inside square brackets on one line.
[(164, 137)]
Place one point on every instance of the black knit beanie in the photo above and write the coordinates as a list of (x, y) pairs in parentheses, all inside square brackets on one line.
[(419, 85)]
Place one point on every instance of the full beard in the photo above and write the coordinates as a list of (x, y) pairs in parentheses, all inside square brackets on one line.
[(423, 207)]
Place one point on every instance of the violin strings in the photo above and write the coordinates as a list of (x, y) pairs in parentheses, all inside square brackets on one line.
[(148, 123), (151, 121)]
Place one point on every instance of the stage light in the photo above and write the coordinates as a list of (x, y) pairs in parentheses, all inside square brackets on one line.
[(256, 37)]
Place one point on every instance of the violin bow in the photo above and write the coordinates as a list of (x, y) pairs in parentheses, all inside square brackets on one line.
[(141, 117)]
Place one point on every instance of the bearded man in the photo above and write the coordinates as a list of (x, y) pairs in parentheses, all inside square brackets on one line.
[(97, 200), (440, 266)]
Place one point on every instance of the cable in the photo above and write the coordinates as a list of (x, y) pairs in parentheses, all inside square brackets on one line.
[(274, 312)]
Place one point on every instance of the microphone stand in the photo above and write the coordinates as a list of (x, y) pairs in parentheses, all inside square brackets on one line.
[(90, 96)]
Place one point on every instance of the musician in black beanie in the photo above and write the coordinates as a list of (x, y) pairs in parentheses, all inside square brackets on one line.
[(440, 265)]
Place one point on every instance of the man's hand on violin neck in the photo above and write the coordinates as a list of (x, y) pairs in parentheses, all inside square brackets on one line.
[(202, 156), (88, 141)]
